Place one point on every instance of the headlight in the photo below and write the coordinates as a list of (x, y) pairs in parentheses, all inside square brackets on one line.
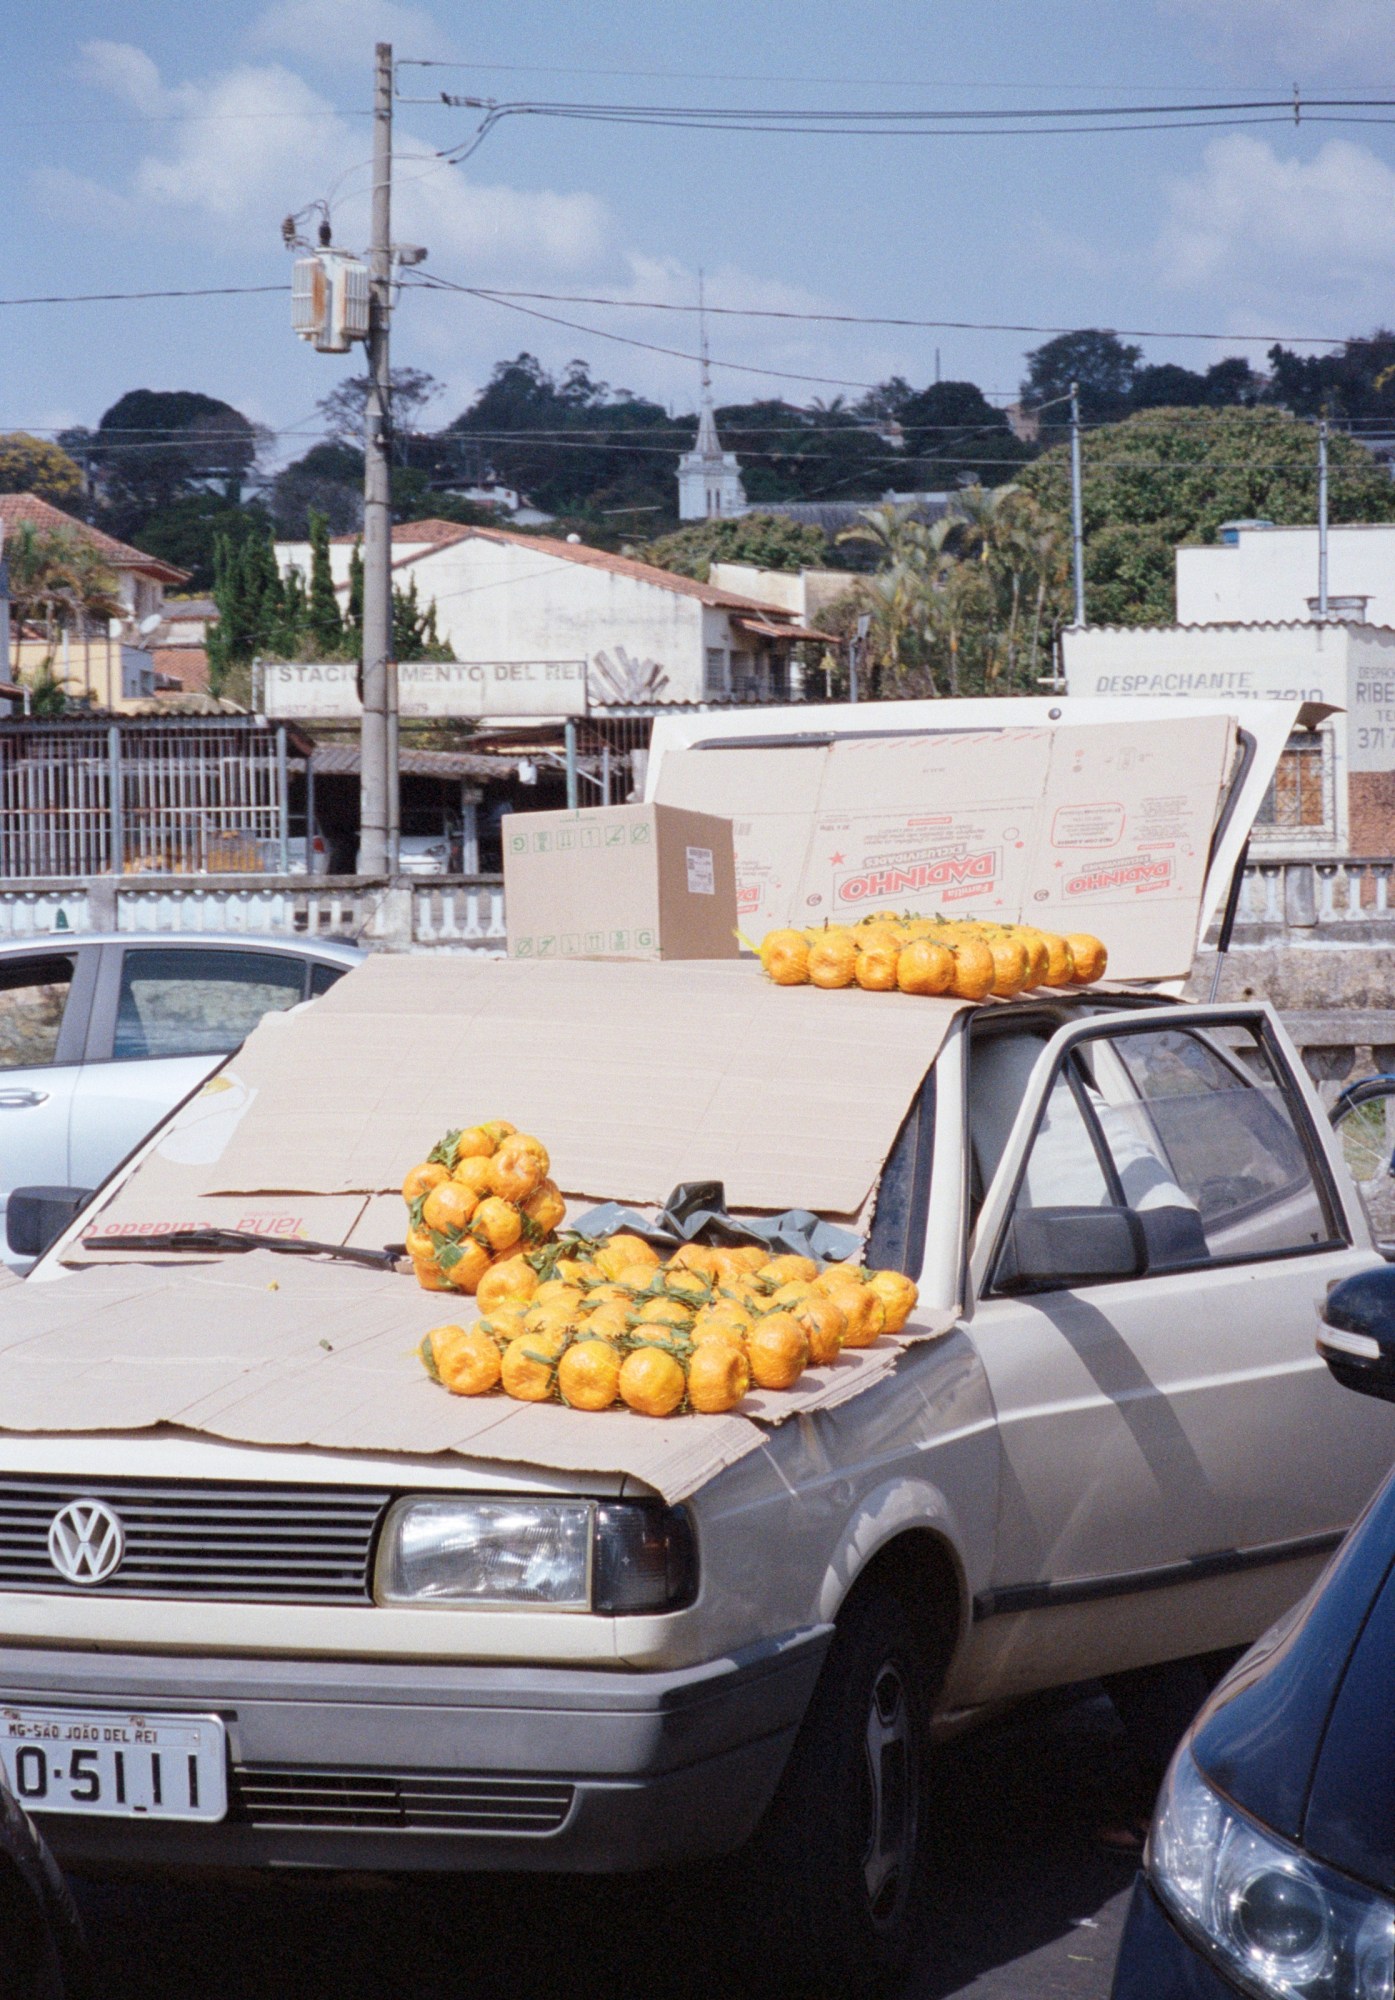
[(618, 1557), (1280, 1925)]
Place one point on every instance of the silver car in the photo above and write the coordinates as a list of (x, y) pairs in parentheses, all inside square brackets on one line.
[(102, 1034)]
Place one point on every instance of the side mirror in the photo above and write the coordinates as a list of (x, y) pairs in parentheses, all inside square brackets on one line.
[(1053, 1249), (1357, 1335), (37, 1216)]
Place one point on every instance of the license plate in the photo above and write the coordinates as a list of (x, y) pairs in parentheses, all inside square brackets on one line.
[(116, 1765)]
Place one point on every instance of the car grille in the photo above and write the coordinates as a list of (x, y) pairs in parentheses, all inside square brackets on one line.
[(301, 1544), (419, 1801)]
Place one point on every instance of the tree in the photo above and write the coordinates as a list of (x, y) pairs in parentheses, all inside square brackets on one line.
[(153, 447), (59, 582), (1098, 361), (343, 409), (1165, 386), (954, 434), (324, 624), (1356, 381), (768, 541), (1165, 477), (31, 465), (186, 532), (328, 480)]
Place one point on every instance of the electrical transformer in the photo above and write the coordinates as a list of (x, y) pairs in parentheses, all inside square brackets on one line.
[(330, 300)]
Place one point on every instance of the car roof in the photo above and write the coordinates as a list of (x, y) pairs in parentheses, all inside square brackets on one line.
[(333, 951)]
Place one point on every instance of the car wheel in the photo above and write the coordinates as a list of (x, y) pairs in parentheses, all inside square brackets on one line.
[(30, 1966), (840, 1858)]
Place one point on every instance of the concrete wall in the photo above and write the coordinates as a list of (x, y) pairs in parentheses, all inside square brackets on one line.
[(1272, 572)]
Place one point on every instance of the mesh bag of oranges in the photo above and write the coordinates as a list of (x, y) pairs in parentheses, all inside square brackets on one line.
[(479, 1198), (595, 1324), (963, 958)]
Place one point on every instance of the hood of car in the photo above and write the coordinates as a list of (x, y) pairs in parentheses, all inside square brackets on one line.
[(1297, 1726)]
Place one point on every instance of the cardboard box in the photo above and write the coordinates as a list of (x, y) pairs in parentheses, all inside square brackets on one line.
[(649, 882), (1102, 827)]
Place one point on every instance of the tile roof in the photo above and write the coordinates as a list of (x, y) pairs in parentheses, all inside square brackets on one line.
[(439, 535), (345, 760), (16, 509)]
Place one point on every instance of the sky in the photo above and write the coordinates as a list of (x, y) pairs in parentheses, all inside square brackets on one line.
[(158, 146)]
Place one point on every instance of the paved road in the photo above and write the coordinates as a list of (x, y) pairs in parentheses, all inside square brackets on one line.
[(1027, 1907)]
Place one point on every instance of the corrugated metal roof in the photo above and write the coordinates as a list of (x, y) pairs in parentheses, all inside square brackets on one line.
[(344, 760)]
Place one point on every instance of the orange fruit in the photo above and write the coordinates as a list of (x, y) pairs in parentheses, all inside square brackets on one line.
[(519, 1168), (652, 1382), (508, 1280), (496, 1130), (864, 1311), (787, 1268), (694, 1257), (1011, 966), (718, 1377), (430, 1276), (529, 1366), (473, 1143), (638, 1277), (1088, 956), (473, 1173), (588, 1375), (875, 970), (723, 1321), (576, 1270), (687, 1284), (466, 1264), (837, 1274), (833, 960), (504, 1323), (555, 1317), (448, 1208), (786, 1297), (778, 1350), (974, 970), (666, 1312), (1038, 958), (497, 1223), (898, 1296), (1060, 966), (422, 1179), (825, 1323), (607, 1322), (557, 1290), (925, 966), (749, 1256), (419, 1244), (624, 1252), (608, 1294), (784, 958), (467, 1360), (546, 1209)]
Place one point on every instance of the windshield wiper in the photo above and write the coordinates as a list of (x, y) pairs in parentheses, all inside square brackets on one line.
[(237, 1240)]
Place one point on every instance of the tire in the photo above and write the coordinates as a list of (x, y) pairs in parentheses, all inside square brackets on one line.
[(1365, 1132), (840, 1857)]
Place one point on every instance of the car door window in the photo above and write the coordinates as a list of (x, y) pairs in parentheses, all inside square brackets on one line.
[(33, 997), (1193, 1131), (322, 977), (191, 1002)]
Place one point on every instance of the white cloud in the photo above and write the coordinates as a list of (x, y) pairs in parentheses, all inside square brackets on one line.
[(1311, 35), (343, 32), (1316, 235)]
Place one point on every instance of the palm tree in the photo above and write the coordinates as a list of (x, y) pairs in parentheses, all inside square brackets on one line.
[(59, 581)]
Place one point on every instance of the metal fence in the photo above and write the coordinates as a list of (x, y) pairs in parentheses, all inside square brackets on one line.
[(180, 797)]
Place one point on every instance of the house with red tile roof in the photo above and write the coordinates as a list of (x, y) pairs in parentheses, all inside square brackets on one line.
[(645, 634)]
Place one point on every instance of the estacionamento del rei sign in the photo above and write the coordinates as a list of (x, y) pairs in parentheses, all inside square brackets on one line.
[(322, 691)]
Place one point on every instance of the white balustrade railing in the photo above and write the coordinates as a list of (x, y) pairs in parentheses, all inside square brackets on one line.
[(459, 913), (1346, 891)]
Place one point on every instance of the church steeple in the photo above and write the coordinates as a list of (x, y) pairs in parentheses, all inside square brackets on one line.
[(709, 479)]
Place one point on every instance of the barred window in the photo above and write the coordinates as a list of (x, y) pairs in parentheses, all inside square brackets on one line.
[(1299, 792)]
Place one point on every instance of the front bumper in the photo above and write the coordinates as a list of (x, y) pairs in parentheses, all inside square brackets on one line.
[(391, 1766), (1155, 1961)]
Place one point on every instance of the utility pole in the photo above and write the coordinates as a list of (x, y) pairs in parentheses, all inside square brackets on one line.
[(378, 789), (1322, 520), (1077, 524)]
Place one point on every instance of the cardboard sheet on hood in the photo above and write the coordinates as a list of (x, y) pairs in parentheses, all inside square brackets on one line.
[(635, 1076), (272, 1350)]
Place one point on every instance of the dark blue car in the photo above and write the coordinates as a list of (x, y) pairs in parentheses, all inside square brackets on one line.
[(1270, 1868)]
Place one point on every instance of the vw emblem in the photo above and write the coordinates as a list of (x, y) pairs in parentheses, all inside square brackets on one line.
[(86, 1541)]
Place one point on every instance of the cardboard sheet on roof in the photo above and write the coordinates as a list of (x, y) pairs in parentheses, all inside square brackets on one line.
[(271, 1350), (636, 1076), (1104, 827)]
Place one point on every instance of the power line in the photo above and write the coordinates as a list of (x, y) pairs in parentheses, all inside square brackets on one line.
[(106, 298)]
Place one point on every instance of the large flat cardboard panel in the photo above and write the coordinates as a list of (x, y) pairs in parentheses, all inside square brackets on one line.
[(278, 1351), (635, 1076), (641, 881), (1103, 827)]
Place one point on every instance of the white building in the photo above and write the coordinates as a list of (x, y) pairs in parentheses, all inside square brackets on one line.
[(709, 479), (1259, 574), (501, 596)]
